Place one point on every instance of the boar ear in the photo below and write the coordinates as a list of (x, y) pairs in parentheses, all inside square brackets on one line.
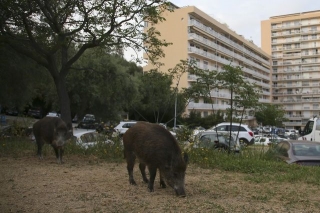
[(185, 157)]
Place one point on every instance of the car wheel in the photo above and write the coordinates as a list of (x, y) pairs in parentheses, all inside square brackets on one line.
[(244, 141)]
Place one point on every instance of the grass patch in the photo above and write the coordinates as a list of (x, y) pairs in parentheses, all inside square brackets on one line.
[(253, 161)]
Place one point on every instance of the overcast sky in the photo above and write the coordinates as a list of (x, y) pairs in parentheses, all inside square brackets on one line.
[(245, 16)]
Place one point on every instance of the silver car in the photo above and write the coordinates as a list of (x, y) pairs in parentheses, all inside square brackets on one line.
[(217, 140)]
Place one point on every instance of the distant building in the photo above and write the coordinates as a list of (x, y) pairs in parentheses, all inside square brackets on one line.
[(197, 36), (293, 40)]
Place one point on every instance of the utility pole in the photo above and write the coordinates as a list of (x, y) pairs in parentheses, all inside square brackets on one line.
[(175, 111)]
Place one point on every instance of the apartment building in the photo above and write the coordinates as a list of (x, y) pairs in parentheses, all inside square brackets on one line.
[(293, 41), (197, 36)]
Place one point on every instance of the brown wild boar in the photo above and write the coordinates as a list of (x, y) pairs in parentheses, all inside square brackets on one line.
[(54, 131), (156, 148)]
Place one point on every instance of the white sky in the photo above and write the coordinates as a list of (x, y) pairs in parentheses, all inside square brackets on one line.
[(245, 16)]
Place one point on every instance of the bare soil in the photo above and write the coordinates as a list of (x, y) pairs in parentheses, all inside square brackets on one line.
[(91, 185)]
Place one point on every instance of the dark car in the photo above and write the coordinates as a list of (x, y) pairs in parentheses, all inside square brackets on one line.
[(35, 112), (88, 122), (305, 153), (12, 111)]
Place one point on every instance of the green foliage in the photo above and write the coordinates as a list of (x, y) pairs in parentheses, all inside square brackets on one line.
[(156, 98), (55, 34), (111, 152), (270, 114), (253, 161), (103, 84), (194, 119), (21, 80)]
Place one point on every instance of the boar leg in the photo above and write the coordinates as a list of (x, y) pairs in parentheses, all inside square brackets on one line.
[(162, 183), (59, 153), (130, 157), (153, 172), (39, 144), (142, 168)]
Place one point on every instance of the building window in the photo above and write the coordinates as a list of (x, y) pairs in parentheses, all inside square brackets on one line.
[(198, 62), (205, 65), (205, 113), (145, 24)]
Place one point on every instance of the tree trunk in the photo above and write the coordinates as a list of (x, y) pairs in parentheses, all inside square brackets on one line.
[(64, 101)]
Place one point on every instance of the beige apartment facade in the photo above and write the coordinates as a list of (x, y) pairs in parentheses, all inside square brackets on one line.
[(293, 41), (199, 37)]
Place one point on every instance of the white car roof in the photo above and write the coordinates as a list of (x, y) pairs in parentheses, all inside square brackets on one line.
[(228, 123)]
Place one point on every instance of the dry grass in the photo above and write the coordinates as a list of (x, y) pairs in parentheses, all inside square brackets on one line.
[(93, 185)]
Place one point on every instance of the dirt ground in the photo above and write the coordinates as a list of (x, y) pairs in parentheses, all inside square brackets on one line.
[(90, 185)]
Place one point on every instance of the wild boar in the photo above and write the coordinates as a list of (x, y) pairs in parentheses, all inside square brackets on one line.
[(156, 148), (54, 131)]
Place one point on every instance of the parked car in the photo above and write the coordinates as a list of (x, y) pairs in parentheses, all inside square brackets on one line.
[(256, 131), (90, 138), (53, 114), (262, 140), (35, 112), (277, 137), (88, 122), (245, 133), (123, 126), (266, 130), (301, 152), (197, 130), (12, 112), (217, 140)]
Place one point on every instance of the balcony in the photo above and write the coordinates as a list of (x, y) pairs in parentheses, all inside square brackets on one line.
[(294, 117), (210, 31), (203, 106), (202, 40), (310, 68), (292, 123), (291, 55)]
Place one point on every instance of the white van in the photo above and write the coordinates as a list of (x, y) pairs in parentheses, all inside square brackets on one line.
[(311, 131)]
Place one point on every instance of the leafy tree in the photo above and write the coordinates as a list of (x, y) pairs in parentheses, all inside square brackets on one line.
[(242, 94), (270, 114), (21, 80), (194, 119), (156, 97), (184, 66), (102, 84), (55, 34), (248, 97)]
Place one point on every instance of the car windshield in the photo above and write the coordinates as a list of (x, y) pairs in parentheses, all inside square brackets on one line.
[(306, 149)]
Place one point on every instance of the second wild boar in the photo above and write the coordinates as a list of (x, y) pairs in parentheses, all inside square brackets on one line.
[(54, 131)]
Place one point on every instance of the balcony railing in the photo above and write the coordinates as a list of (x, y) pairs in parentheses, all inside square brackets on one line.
[(225, 39), (207, 106)]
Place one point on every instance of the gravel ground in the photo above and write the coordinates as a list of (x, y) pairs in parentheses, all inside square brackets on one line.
[(91, 185)]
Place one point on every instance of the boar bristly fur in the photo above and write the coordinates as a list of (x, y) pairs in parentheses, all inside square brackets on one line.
[(156, 148), (53, 131)]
